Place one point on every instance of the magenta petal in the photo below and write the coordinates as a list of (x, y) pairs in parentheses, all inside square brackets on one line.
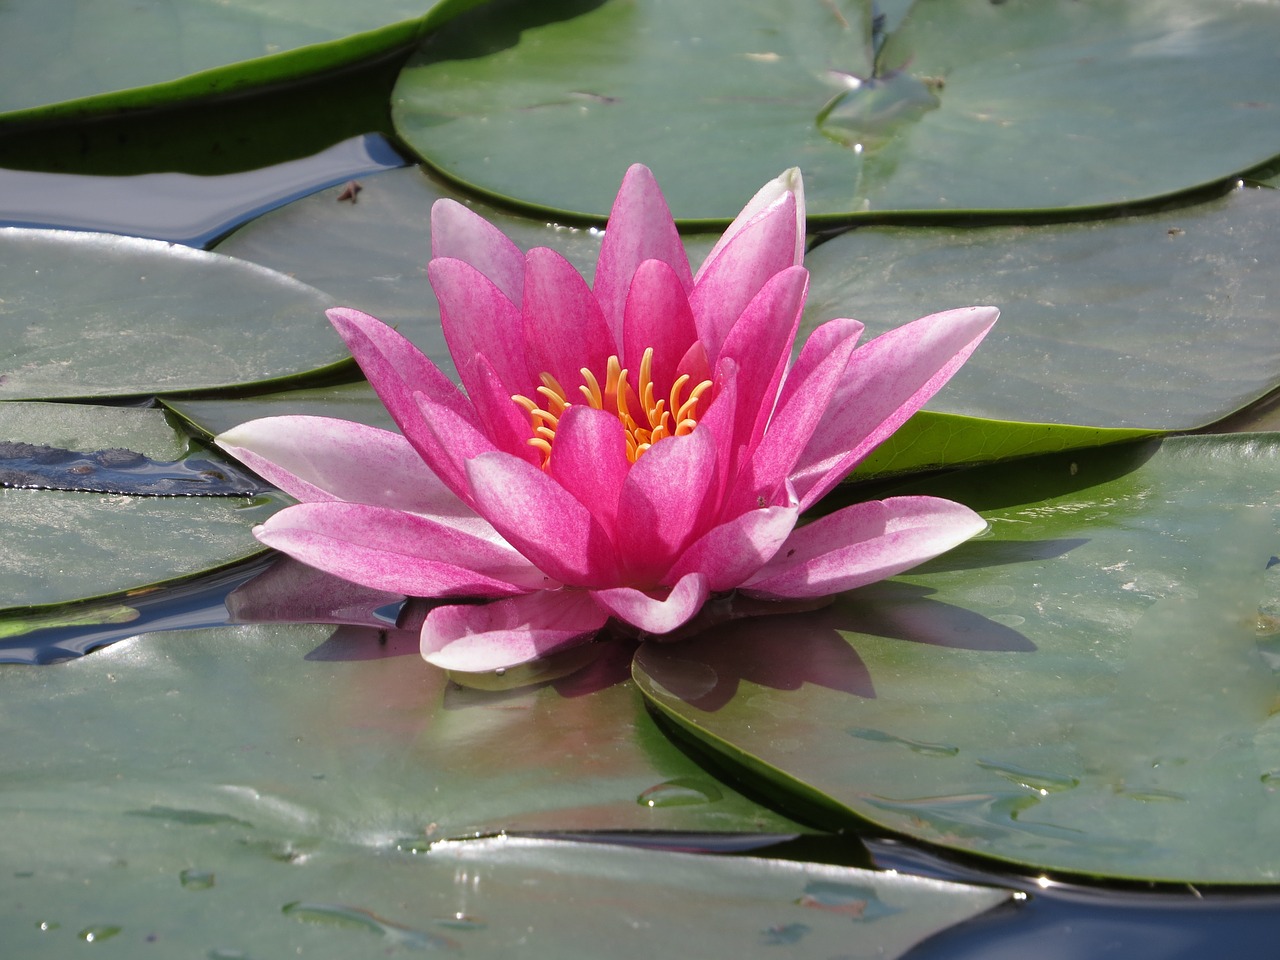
[(664, 503), (505, 423), (726, 284), (789, 181), (493, 636), (802, 402), (542, 520), (640, 228), (564, 329), (730, 553), (885, 382), (760, 344), (459, 234), (319, 458), (399, 552), (863, 543), (590, 461), (397, 370), (656, 611), (478, 319), (657, 315)]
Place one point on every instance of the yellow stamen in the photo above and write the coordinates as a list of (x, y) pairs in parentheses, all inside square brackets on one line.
[(673, 415)]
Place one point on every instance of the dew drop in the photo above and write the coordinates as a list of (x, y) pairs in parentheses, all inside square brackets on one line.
[(1041, 782), (413, 845), (680, 792), (95, 934), (47, 925), (196, 879), (782, 935), (850, 900), (354, 918), (462, 921)]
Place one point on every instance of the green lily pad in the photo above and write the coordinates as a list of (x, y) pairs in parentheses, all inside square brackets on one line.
[(59, 58), (932, 441), (62, 546), (1162, 322), (307, 816), (346, 401), (75, 426), (1090, 688), (962, 105), (94, 315), (372, 255)]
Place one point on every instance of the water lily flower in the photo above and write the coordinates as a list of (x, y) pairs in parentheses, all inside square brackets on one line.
[(623, 451)]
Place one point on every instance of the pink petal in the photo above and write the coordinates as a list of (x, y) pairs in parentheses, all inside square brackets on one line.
[(789, 181), (656, 611), (760, 344), (763, 247), (396, 370), (399, 552), (319, 458), (589, 460), (460, 234), (731, 552), (640, 228), (863, 543), (885, 382), (804, 399), (448, 439), (505, 422), (657, 315), (542, 520), (664, 503), (479, 320), (494, 636), (564, 330)]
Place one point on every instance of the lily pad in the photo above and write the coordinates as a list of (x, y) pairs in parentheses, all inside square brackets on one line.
[(372, 255), (60, 58), (961, 105), (95, 315), (61, 546), (308, 816), (346, 401), (1163, 321), (1090, 688), (76, 426)]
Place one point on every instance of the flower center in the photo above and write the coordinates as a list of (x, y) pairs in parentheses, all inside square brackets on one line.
[(645, 419)]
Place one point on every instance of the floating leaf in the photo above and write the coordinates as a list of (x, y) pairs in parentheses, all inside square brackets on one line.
[(1090, 688), (317, 801), (94, 315), (1161, 322), (962, 105), (60, 58)]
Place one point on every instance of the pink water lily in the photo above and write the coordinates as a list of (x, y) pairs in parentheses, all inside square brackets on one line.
[(623, 451)]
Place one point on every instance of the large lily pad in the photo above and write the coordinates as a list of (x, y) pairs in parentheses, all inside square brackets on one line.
[(305, 816), (61, 58), (94, 315), (1089, 688), (948, 105), (1164, 321)]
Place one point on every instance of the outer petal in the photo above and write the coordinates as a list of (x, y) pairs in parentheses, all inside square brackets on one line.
[(399, 552), (590, 461), (885, 382), (730, 553), (640, 228), (789, 181), (656, 611), (657, 315), (564, 330), (319, 458), (479, 320), (397, 370), (505, 423), (727, 283), (863, 543), (760, 344), (458, 233), (664, 504), (542, 520), (804, 399), (505, 633)]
